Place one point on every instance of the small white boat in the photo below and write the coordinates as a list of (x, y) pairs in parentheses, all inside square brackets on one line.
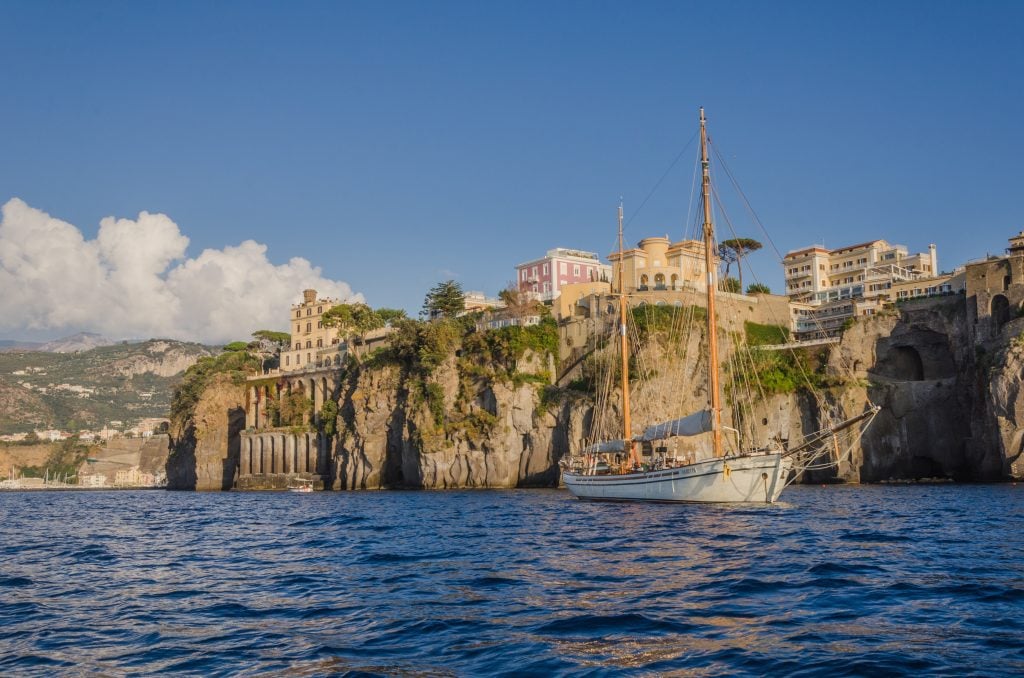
[(304, 485)]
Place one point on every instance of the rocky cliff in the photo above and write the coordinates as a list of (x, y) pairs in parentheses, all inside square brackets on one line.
[(452, 429), (207, 417), (445, 408), (478, 410), (949, 404)]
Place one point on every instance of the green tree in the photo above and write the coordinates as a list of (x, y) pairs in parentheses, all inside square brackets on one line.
[(352, 319), (391, 316), (730, 284), (733, 250), (279, 338), (758, 288), (445, 300), (518, 303), (236, 346)]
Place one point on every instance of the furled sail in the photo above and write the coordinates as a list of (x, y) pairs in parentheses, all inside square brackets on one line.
[(606, 446), (692, 425)]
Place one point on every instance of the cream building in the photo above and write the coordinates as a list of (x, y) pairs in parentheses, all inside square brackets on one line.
[(817, 275), (660, 264), (312, 344), (828, 287)]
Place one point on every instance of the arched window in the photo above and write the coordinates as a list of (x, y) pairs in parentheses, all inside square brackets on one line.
[(309, 344)]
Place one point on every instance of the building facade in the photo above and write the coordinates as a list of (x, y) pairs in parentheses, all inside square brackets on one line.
[(545, 277), (312, 344), (830, 286), (659, 264), (819, 275), (995, 291)]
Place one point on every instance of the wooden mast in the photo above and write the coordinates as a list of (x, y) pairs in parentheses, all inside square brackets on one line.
[(709, 264), (627, 436)]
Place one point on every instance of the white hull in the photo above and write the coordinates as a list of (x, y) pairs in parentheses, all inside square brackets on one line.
[(757, 478)]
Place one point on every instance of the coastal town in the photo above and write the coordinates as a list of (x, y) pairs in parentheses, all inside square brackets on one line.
[(827, 291)]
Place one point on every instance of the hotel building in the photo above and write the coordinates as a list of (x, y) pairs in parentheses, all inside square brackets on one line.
[(829, 286)]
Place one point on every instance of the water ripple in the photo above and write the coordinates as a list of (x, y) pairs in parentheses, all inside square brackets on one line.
[(836, 581)]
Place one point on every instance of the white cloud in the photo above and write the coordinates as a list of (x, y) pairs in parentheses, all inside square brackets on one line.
[(135, 280)]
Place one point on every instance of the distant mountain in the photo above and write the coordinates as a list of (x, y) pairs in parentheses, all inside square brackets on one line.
[(83, 341), (89, 388), (15, 345)]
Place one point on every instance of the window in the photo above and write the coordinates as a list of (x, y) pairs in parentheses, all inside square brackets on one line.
[(309, 358), (524, 274), (298, 314), (298, 345), (319, 309), (298, 358), (309, 327), (533, 271), (319, 343), (287, 360), (562, 267), (309, 344), (309, 311), (298, 328), (545, 269), (576, 270), (319, 324)]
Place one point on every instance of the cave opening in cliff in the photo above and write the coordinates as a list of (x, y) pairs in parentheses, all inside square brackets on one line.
[(907, 364)]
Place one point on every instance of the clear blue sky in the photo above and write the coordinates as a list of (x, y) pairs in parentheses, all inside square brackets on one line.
[(391, 143)]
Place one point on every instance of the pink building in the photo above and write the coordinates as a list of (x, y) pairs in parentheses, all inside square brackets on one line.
[(545, 277)]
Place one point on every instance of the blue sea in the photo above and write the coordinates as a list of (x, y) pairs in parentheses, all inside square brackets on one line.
[(876, 580)]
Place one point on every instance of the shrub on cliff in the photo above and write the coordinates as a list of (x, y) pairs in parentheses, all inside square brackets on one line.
[(237, 364)]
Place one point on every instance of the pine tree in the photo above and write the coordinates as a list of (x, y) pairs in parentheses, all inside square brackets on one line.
[(445, 300)]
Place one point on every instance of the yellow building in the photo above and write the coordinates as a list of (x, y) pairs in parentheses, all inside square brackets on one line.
[(312, 344), (659, 264)]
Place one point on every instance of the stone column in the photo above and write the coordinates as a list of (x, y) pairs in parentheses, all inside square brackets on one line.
[(289, 454)]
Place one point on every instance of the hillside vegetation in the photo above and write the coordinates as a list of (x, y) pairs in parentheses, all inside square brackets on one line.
[(85, 390)]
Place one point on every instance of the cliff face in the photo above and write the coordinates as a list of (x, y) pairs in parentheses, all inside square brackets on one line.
[(947, 412), (451, 430), (952, 407), (204, 446)]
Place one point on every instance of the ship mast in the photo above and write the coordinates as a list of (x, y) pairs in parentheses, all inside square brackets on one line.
[(627, 436), (709, 265)]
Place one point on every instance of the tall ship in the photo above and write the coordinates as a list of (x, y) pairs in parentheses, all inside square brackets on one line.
[(721, 464)]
